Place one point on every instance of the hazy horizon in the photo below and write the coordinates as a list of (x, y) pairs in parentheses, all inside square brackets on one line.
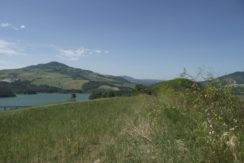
[(142, 39)]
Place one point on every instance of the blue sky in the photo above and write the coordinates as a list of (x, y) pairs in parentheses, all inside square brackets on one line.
[(139, 38)]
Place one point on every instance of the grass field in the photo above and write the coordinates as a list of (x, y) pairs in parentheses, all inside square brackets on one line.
[(125, 129), (76, 131)]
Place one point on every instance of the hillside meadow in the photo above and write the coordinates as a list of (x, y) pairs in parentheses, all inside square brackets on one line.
[(166, 127)]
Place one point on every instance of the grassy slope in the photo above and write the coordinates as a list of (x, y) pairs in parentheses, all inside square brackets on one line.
[(126, 129), (76, 131)]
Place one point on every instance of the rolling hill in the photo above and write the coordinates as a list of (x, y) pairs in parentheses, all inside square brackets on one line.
[(236, 77), (55, 75)]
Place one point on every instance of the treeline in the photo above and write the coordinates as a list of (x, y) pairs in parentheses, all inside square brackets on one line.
[(106, 93), (25, 87), (6, 91)]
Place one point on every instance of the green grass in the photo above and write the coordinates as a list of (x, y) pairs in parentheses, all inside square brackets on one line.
[(74, 131), (125, 129)]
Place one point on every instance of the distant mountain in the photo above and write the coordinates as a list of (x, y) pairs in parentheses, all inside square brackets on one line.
[(57, 76), (146, 82), (236, 77)]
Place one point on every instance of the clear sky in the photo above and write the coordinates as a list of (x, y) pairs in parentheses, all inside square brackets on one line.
[(139, 38)]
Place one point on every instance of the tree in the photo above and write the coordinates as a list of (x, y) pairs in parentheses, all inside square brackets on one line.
[(73, 97)]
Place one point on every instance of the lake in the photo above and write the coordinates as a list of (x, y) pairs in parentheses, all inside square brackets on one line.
[(23, 100)]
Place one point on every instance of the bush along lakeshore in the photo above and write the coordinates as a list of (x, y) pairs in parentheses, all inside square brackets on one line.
[(107, 93), (6, 92)]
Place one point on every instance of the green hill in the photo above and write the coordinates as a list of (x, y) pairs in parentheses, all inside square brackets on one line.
[(61, 76), (236, 77)]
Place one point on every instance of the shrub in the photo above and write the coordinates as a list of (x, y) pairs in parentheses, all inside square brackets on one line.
[(102, 93), (219, 106), (6, 91), (143, 89)]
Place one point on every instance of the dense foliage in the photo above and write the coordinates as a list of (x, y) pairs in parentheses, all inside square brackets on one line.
[(144, 89), (222, 113), (26, 87), (105, 93), (6, 91)]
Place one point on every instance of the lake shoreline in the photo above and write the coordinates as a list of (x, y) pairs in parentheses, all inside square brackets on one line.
[(39, 99)]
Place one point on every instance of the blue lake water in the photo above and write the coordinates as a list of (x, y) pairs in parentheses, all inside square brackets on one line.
[(39, 99)]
